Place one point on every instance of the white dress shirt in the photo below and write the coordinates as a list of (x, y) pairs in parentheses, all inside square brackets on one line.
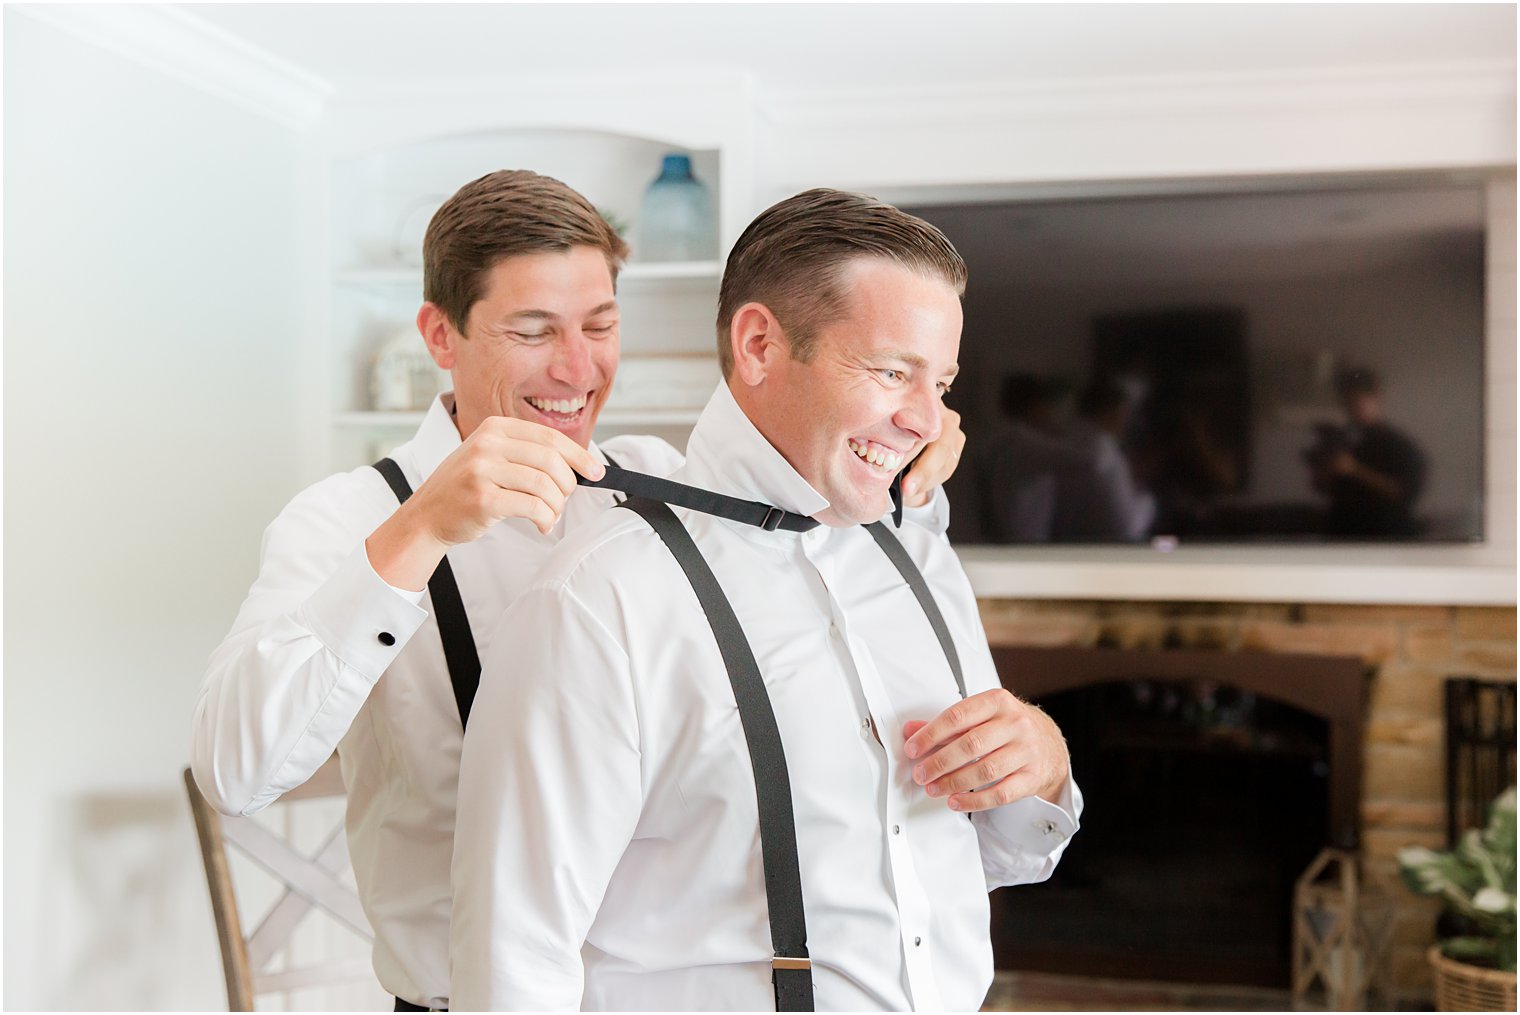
[(607, 852), (299, 676)]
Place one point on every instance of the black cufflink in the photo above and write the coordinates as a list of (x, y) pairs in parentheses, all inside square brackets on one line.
[(386, 638)]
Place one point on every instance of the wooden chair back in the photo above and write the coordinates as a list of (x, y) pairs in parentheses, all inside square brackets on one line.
[(309, 882)]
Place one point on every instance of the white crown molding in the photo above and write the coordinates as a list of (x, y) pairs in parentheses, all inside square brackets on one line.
[(183, 46), (1487, 81), (697, 107)]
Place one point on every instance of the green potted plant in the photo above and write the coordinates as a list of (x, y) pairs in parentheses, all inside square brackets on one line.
[(1475, 971)]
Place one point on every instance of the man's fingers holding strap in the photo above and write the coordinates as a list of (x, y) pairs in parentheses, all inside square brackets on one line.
[(503, 450), (578, 458), (516, 504), (536, 483)]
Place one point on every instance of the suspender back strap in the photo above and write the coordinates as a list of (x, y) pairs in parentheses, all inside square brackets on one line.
[(915, 579), (652, 488), (448, 609), (750, 512), (791, 969)]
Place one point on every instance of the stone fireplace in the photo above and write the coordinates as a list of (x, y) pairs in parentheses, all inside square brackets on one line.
[(1356, 691), (1221, 774)]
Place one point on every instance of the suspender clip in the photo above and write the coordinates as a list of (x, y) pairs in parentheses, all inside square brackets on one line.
[(772, 519), (782, 962)]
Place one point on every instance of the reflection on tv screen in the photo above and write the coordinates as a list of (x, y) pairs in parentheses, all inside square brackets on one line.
[(1285, 365)]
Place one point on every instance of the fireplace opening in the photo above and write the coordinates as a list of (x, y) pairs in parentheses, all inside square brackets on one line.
[(1211, 781)]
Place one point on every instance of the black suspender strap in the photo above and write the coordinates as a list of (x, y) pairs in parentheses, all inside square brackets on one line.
[(652, 488), (448, 609), (791, 969), (750, 512), (650, 497), (915, 579)]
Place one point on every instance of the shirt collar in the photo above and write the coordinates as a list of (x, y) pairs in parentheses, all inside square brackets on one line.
[(438, 436), (727, 454)]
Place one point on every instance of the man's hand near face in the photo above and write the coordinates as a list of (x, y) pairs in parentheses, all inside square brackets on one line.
[(506, 468), (937, 462), (988, 750)]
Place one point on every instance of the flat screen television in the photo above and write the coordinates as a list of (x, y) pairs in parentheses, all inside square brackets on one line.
[(1292, 364)]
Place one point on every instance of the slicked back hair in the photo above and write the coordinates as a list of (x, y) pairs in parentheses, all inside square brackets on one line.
[(793, 257), (501, 215)]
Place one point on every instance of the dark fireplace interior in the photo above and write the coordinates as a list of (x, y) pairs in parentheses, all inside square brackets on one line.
[(1211, 781)]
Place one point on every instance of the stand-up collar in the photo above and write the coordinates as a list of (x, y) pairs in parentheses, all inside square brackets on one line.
[(437, 437), (727, 454)]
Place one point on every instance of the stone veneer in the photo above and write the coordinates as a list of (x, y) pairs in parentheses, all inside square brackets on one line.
[(1413, 649)]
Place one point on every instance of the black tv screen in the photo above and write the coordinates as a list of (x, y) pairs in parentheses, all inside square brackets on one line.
[(1274, 365)]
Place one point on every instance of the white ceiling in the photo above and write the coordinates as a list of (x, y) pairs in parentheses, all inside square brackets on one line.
[(803, 46)]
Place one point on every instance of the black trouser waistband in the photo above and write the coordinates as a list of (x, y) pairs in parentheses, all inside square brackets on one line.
[(402, 1005)]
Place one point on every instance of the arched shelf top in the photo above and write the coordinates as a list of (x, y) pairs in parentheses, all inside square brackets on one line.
[(382, 199), (426, 143)]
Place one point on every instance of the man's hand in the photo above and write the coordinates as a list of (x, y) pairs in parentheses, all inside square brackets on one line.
[(1349, 466), (937, 462), (507, 468), (988, 750), (1342, 463)]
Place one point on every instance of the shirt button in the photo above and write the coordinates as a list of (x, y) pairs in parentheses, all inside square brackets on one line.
[(917, 942), (1047, 827), (386, 638), (897, 829), (865, 723)]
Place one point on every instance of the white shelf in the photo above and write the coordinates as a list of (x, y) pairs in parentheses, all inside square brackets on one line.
[(395, 276), (367, 420), (405, 276), (660, 271), (648, 417)]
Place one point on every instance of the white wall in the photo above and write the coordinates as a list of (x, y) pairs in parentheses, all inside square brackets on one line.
[(153, 329)]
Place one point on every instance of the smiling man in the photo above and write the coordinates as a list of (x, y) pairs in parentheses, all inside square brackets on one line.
[(729, 765), (363, 629)]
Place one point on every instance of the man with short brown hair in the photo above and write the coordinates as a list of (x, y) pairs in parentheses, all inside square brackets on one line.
[(732, 750), (363, 629), (797, 251)]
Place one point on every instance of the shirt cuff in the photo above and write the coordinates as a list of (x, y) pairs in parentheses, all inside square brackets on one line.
[(415, 598), (360, 618), (1024, 840), (933, 516), (1040, 825)]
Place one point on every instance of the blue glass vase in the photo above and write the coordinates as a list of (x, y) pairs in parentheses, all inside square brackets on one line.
[(676, 217)]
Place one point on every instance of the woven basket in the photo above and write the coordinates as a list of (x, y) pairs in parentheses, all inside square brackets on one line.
[(1463, 987)]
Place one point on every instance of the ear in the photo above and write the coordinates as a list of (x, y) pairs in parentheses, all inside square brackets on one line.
[(439, 335), (757, 341)]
